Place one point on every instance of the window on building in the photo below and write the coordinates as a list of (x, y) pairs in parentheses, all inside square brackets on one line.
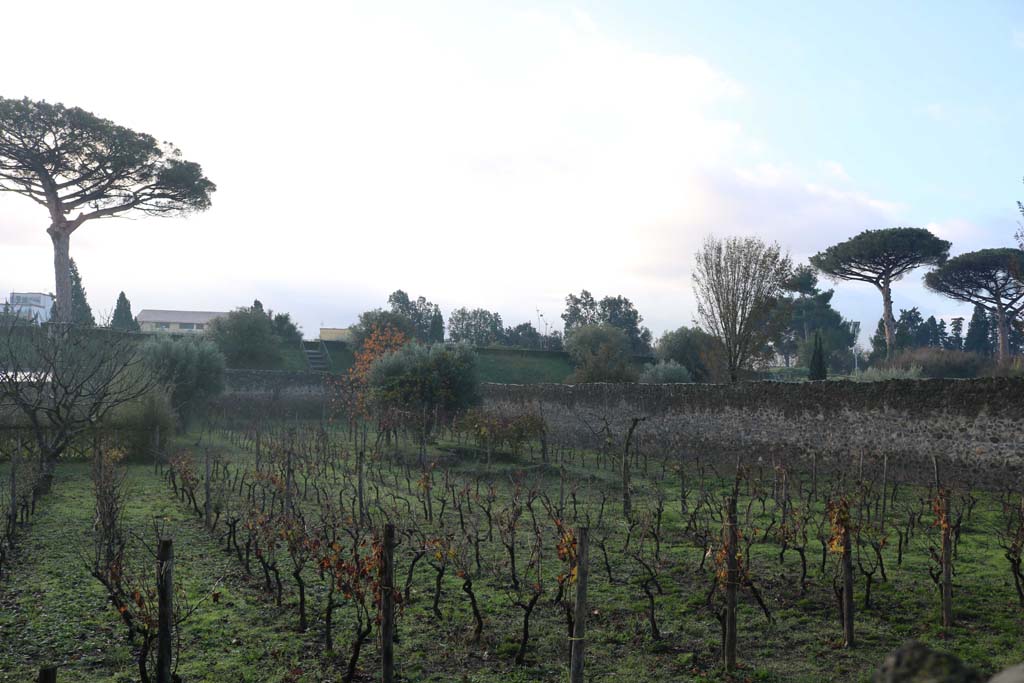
[(163, 326), (186, 326), (200, 326)]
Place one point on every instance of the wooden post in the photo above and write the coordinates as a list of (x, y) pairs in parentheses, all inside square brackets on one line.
[(947, 561), (165, 609), (847, 587), (48, 674), (14, 486), (359, 484), (258, 459), (207, 504), (156, 449), (288, 482), (732, 580), (387, 606), (579, 624)]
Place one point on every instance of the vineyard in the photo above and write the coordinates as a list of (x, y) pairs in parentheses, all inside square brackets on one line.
[(700, 566)]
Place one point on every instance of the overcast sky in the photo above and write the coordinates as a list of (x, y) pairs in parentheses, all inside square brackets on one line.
[(502, 155)]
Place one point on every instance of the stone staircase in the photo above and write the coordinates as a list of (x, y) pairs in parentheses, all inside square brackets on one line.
[(316, 357)]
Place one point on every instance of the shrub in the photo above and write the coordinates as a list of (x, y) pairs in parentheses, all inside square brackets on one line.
[(421, 380), (940, 363), (246, 338), (191, 369), (880, 374), (137, 422), (665, 372), (601, 353), (699, 352)]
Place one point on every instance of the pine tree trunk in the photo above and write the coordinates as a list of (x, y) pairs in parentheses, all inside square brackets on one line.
[(888, 320), (61, 239)]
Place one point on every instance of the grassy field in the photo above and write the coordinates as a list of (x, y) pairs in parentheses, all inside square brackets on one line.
[(52, 611)]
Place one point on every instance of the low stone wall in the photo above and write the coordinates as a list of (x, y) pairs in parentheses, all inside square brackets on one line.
[(273, 384), (973, 427)]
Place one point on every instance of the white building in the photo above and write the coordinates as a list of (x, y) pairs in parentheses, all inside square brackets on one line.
[(177, 322), (34, 305)]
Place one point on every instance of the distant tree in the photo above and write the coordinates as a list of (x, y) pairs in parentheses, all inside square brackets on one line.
[(818, 366), (73, 162), (423, 314), (879, 346), (665, 372), (553, 341), (991, 278), (81, 312), (123, 319), (908, 329), (580, 310), (693, 348), (379, 320), (246, 338), (931, 334), (738, 282), (881, 257), (524, 336), (601, 353), (808, 313), (955, 338), (436, 335), (977, 339), (285, 330), (803, 281), (191, 368), (477, 326), (617, 311)]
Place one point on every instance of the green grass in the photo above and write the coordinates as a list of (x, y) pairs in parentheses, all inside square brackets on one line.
[(52, 611), (511, 366)]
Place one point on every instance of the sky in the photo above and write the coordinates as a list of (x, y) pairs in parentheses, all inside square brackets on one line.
[(502, 155)]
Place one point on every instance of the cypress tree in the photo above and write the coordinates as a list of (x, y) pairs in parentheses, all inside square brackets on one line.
[(437, 327), (123, 319), (955, 340), (81, 313), (818, 369), (977, 339)]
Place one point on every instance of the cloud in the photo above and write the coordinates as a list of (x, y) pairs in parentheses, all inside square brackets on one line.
[(501, 162), (835, 170), (936, 112)]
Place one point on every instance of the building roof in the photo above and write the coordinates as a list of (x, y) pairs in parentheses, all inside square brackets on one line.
[(200, 317)]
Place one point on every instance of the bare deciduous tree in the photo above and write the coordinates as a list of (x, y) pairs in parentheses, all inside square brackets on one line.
[(737, 281), (62, 380)]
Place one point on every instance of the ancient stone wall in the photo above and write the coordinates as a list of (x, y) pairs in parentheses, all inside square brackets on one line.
[(973, 428), (273, 384)]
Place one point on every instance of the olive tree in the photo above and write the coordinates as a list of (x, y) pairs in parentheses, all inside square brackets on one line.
[(990, 278), (424, 384), (81, 167), (738, 282), (881, 257), (601, 353)]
